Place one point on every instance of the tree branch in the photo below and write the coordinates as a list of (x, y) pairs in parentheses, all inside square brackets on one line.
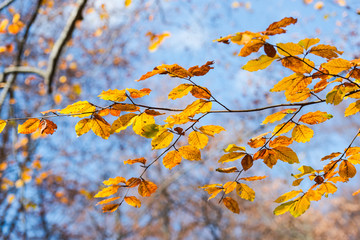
[(61, 42), (5, 4)]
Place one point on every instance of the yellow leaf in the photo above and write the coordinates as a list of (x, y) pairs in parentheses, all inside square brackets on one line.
[(336, 95), (314, 195), (257, 64), (162, 140), (274, 117), (198, 106), (127, 3), (327, 188), (227, 170), (281, 141), (211, 130), (133, 201), (287, 196), (134, 93), (347, 169), (229, 187), (79, 109), (213, 191), (308, 42), (325, 51), (231, 204), (286, 82), (2, 125), (137, 160), (352, 108), (83, 126), (29, 126), (200, 92), (106, 192), (354, 159), (157, 70), (114, 181), (298, 65), (107, 200), (233, 148), (123, 122), (298, 96), (302, 133), (283, 128), (286, 154), (180, 91), (114, 95), (289, 49), (337, 65), (356, 193), (100, 127), (315, 117), (190, 153), (245, 192), (283, 208), (141, 121), (254, 178), (232, 156), (146, 188), (253, 46), (156, 40), (172, 159), (257, 142), (300, 206), (133, 182), (110, 207), (198, 140)]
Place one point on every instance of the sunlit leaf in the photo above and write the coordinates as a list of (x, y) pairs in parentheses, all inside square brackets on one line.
[(201, 71), (146, 188), (198, 139), (133, 182), (110, 207), (325, 51), (257, 64), (300, 206), (107, 200), (200, 92), (29, 126), (247, 162), (233, 148), (352, 108), (137, 160), (289, 49), (114, 181), (286, 154), (229, 187), (253, 46), (133, 201), (2, 125), (114, 95), (308, 42), (254, 178), (347, 169), (283, 208), (141, 121), (180, 91), (232, 156), (315, 117), (46, 127), (287, 196), (100, 127), (281, 141), (245, 192), (123, 122), (162, 140), (283, 128), (302, 133), (106, 192), (337, 65), (79, 109), (231, 204), (211, 130), (227, 170), (190, 153), (172, 159)]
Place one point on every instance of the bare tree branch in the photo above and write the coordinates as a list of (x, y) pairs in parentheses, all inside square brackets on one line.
[(5, 4), (61, 42)]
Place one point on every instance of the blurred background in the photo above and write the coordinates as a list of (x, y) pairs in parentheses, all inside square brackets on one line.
[(48, 182)]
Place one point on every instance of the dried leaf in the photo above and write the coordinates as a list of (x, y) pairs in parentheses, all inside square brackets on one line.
[(231, 204), (146, 188)]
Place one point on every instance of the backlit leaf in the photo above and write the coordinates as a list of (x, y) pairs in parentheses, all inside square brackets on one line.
[(270, 158), (190, 153), (231, 204), (172, 159), (270, 50), (29, 126), (327, 188), (153, 112), (2, 125), (232, 156), (114, 95), (134, 93), (315, 117), (156, 40), (107, 200), (133, 201), (300, 206), (79, 107), (229, 187), (253, 46), (302, 133), (247, 162), (211, 130), (106, 192), (100, 127), (125, 107), (141, 121), (201, 71), (110, 207), (146, 188), (233, 148), (281, 141), (254, 178), (337, 65), (283, 128), (335, 96), (47, 127), (325, 51), (114, 181), (198, 139), (352, 108), (180, 91), (123, 122), (274, 117), (133, 182), (282, 23), (257, 64), (200, 92), (137, 160), (289, 49), (157, 70), (83, 126), (287, 196), (286, 154), (227, 170), (245, 192), (308, 42), (347, 169), (283, 208), (162, 140)]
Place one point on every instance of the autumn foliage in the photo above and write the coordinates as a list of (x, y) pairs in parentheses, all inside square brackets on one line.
[(334, 77)]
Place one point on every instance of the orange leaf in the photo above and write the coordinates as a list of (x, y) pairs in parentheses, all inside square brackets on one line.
[(347, 169), (114, 181), (100, 127), (107, 200), (153, 112), (325, 51), (231, 204), (133, 182), (108, 191), (201, 71), (83, 126), (247, 162), (137, 160), (133, 201), (315, 117), (227, 170), (29, 126), (302, 133), (110, 207), (47, 126), (146, 188), (134, 93), (254, 178), (172, 159), (200, 92), (125, 107), (113, 95), (282, 141)]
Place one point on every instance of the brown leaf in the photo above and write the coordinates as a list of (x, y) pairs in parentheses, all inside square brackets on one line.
[(47, 126), (247, 162), (269, 50)]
